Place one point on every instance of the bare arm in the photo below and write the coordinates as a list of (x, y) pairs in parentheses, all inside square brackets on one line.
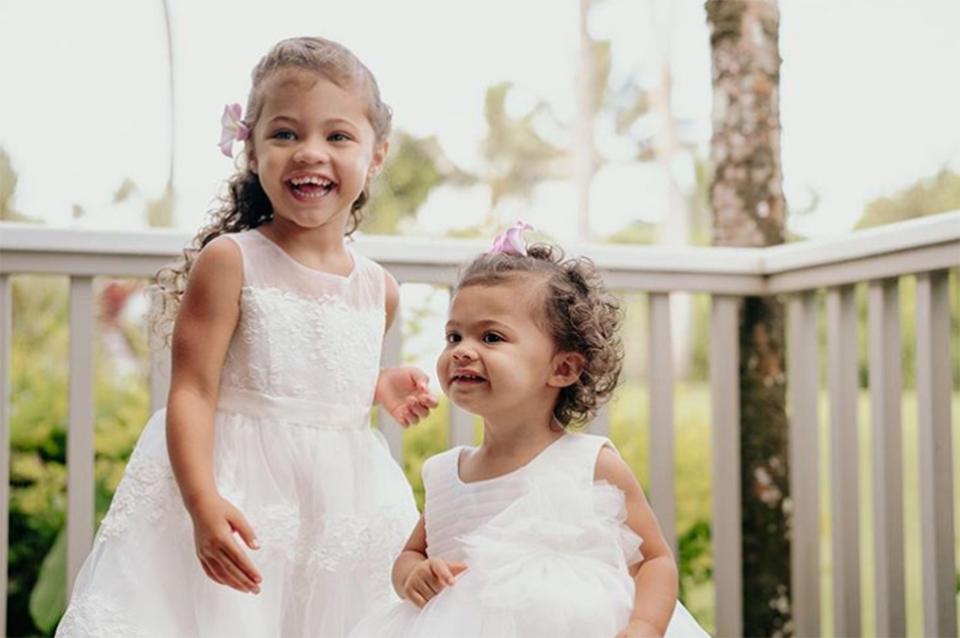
[(414, 552), (656, 577), (418, 578), (402, 390), (205, 323), (206, 320)]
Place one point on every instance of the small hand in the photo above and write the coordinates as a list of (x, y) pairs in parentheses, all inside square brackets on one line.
[(404, 393), (638, 628), (214, 523), (429, 578)]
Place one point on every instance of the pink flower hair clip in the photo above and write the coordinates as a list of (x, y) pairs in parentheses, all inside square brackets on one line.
[(510, 241), (234, 130)]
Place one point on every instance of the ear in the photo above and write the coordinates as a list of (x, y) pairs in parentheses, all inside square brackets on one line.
[(251, 156), (566, 369), (379, 155)]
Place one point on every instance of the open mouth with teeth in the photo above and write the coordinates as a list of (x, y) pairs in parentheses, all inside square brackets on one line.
[(310, 188), (467, 379)]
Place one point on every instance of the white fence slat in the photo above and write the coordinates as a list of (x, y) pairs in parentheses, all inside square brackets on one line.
[(392, 356), (803, 377), (885, 410), (80, 477), (725, 410), (936, 476), (660, 362), (842, 377), (6, 329)]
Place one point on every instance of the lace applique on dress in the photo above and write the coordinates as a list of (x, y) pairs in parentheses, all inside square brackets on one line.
[(147, 492), (97, 615)]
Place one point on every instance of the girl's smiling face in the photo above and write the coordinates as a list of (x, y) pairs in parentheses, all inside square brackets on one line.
[(313, 148), (498, 360)]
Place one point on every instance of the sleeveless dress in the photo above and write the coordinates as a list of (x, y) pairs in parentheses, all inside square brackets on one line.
[(293, 451), (547, 553)]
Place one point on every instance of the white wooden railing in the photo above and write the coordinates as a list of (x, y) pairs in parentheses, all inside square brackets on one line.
[(926, 248)]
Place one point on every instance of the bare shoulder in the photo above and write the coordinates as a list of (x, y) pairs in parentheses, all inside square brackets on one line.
[(613, 469), (220, 263), (216, 278)]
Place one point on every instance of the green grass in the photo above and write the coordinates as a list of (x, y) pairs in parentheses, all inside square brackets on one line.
[(629, 430)]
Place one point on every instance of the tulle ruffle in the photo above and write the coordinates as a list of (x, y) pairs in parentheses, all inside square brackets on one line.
[(554, 563)]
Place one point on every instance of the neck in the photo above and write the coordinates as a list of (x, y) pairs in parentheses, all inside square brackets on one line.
[(326, 239), (519, 434)]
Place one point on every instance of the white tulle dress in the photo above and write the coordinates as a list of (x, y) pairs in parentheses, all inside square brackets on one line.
[(294, 451), (547, 553)]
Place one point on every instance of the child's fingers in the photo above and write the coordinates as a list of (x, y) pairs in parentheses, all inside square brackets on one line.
[(457, 568), (240, 580), (240, 525), (218, 572), (233, 554), (443, 572), (427, 400), (420, 379), (417, 599), (419, 410), (210, 573)]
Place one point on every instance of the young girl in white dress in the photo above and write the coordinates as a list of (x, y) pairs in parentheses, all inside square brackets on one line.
[(539, 531), (260, 502)]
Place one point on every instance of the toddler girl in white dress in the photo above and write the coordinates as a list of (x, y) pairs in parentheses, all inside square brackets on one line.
[(539, 531)]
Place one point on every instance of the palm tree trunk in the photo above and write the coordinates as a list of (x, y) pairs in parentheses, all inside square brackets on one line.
[(160, 211), (748, 210), (583, 150)]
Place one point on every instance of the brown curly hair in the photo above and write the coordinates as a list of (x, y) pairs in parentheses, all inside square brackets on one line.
[(245, 204), (577, 312)]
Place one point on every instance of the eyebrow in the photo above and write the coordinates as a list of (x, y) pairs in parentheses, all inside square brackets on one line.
[(483, 323), (334, 120)]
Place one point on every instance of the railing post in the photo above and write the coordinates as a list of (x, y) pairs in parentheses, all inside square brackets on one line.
[(885, 393), (80, 476), (6, 321), (660, 362), (844, 452), (936, 475), (725, 410), (392, 355), (802, 375)]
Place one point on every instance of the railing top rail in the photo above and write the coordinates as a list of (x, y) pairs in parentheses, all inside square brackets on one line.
[(757, 263), (891, 238)]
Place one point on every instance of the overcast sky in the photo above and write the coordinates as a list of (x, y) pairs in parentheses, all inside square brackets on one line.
[(869, 94)]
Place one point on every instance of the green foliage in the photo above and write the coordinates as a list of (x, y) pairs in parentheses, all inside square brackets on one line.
[(8, 184), (38, 477), (414, 166), (48, 599), (929, 196), (518, 155)]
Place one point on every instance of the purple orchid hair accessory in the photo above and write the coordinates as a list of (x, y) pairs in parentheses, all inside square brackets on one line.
[(234, 130), (510, 241)]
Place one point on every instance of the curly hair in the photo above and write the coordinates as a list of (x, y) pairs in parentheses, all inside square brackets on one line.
[(578, 313), (245, 205)]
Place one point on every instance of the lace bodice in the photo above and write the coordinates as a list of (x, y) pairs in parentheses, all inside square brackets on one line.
[(303, 333)]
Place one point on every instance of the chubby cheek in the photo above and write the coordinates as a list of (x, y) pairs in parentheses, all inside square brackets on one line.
[(443, 364)]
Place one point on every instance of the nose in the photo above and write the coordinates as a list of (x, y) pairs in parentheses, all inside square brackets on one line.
[(312, 151), (462, 354)]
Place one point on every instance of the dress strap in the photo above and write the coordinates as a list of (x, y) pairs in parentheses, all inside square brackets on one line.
[(575, 454), (440, 470)]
